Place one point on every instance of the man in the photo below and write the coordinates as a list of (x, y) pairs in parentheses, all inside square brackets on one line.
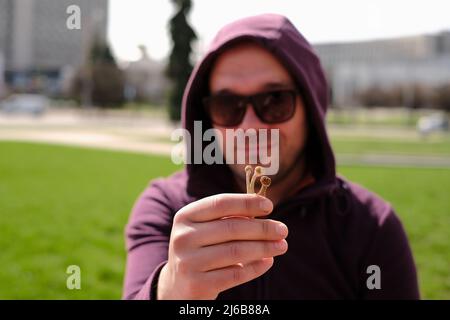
[(318, 237)]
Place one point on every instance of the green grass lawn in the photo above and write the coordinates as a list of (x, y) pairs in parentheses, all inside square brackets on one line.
[(62, 205)]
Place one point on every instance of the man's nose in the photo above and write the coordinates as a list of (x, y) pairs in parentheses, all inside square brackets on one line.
[(251, 120)]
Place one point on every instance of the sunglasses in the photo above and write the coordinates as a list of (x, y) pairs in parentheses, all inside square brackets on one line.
[(228, 110)]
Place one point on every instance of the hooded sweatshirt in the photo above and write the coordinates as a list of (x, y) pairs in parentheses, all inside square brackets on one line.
[(344, 241)]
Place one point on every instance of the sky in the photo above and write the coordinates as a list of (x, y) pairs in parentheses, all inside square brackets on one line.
[(135, 22)]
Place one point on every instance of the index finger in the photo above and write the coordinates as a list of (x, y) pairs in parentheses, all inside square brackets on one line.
[(227, 204)]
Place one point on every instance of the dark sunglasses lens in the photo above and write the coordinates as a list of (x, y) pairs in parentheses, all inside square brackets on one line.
[(225, 110), (276, 106)]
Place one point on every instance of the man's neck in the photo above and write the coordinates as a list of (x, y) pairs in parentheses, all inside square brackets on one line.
[(289, 184)]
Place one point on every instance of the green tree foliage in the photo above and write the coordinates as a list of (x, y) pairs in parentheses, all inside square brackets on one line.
[(180, 66)]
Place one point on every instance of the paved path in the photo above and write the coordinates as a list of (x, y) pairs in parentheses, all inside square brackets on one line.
[(136, 134), (152, 136)]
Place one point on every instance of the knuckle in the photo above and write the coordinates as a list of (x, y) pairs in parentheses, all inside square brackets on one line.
[(218, 202), (179, 215), (248, 202), (176, 243), (234, 250), (265, 227), (185, 213), (180, 239), (231, 227), (237, 275)]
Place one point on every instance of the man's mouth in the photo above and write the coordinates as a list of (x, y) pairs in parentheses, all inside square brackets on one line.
[(255, 151), (257, 147)]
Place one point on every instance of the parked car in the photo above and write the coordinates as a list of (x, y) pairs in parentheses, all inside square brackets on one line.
[(34, 104), (432, 123)]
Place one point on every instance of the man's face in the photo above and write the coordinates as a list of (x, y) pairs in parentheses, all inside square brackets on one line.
[(248, 69)]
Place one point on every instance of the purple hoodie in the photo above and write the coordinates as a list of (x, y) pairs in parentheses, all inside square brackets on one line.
[(337, 229)]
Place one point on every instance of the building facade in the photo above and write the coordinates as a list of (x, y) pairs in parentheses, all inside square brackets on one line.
[(354, 67), (37, 44)]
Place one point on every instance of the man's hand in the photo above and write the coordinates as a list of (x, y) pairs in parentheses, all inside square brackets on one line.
[(209, 254)]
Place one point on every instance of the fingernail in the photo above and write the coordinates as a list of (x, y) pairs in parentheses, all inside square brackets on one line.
[(282, 229), (265, 205)]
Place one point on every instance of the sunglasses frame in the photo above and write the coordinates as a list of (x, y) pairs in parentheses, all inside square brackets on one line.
[(250, 99)]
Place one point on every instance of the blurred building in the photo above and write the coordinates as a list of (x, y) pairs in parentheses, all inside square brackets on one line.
[(357, 66), (37, 45), (145, 79)]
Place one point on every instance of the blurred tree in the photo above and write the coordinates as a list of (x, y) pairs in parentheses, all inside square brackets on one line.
[(99, 81), (413, 96), (101, 53), (418, 96), (180, 66), (442, 97), (376, 96)]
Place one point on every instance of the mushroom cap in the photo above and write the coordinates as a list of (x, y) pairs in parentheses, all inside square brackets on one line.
[(266, 181), (258, 170), (248, 168)]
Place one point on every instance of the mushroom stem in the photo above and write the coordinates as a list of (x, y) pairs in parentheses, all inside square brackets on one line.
[(265, 183), (256, 174), (248, 173)]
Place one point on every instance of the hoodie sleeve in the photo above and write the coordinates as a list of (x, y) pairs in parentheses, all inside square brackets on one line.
[(147, 237), (390, 252)]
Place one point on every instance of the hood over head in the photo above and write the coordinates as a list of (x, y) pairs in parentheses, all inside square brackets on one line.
[(280, 37)]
